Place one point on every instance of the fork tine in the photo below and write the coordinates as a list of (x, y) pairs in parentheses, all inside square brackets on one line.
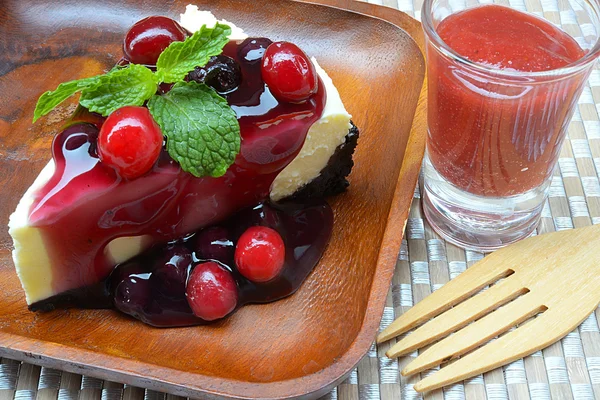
[(463, 286), (526, 339), (475, 334), (459, 316)]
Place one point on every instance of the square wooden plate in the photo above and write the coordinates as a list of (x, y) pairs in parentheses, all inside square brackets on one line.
[(297, 347)]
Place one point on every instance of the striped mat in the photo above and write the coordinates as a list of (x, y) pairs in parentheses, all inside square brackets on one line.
[(569, 369)]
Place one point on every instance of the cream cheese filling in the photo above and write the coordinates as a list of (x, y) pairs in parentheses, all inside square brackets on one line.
[(323, 138), (31, 259)]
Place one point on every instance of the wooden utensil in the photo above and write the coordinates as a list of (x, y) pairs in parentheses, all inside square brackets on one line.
[(545, 285)]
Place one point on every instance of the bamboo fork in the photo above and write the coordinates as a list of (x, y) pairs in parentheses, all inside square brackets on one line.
[(551, 282)]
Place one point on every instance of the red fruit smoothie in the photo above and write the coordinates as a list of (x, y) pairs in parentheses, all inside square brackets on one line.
[(490, 134)]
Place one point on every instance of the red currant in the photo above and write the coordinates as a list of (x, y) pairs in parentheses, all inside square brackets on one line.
[(147, 38), (288, 72), (211, 291), (130, 141), (260, 253)]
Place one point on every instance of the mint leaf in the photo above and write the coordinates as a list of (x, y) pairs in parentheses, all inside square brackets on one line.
[(118, 67), (51, 99), (203, 134), (129, 86), (177, 60)]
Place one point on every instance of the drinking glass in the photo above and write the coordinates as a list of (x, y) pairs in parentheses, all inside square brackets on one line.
[(494, 135)]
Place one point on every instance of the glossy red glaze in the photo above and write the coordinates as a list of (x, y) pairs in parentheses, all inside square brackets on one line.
[(148, 38), (130, 141), (289, 72), (151, 287), (211, 291), (259, 254)]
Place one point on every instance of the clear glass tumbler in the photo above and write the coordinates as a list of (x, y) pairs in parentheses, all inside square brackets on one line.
[(494, 135)]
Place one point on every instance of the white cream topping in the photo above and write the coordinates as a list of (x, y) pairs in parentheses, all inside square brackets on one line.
[(193, 19)]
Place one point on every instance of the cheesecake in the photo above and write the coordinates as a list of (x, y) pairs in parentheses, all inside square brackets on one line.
[(88, 224)]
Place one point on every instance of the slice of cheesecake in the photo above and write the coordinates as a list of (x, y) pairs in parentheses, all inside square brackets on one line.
[(78, 220)]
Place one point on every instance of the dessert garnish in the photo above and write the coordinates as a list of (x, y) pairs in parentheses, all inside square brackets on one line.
[(191, 179), (202, 131)]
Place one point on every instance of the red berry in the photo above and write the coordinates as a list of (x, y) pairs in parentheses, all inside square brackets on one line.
[(148, 38), (259, 254), (288, 72), (211, 291), (130, 141)]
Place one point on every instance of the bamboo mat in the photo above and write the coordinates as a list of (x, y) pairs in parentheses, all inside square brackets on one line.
[(569, 369)]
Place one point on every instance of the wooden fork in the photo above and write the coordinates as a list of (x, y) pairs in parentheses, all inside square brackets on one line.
[(549, 284)]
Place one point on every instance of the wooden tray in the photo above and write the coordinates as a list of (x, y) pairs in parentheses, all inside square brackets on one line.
[(299, 347)]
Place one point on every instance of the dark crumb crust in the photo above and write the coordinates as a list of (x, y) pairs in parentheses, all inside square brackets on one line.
[(94, 296), (332, 179)]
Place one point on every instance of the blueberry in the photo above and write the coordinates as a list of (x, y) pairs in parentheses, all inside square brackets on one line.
[(221, 73), (214, 243), (132, 291), (264, 215), (165, 88), (171, 270), (252, 49)]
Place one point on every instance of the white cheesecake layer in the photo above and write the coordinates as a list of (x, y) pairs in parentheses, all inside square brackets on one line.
[(32, 261), (122, 249), (323, 138)]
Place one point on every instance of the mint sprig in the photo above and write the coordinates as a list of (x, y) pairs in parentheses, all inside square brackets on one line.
[(202, 131), (49, 100), (203, 134), (182, 57), (130, 86)]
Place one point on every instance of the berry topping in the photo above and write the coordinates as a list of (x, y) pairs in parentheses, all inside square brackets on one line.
[(148, 38), (164, 88), (77, 137), (172, 270), (130, 141), (132, 292), (259, 254), (251, 50), (213, 244), (288, 72), (221, 73), (211, 291)]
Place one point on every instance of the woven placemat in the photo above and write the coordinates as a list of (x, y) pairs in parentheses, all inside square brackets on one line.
[(569, 369)]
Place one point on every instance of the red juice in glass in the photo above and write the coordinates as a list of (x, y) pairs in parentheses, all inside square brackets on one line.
[(502, 87)]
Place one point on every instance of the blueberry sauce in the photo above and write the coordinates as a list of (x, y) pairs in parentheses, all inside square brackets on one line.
[(85, 205), (151, 287)]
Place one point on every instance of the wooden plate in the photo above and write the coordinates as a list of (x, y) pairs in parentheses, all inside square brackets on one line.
[(297, 347)]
